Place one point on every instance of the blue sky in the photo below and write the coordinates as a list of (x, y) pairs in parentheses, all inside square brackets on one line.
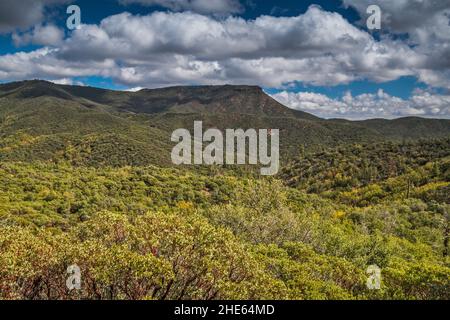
[(317, 56)]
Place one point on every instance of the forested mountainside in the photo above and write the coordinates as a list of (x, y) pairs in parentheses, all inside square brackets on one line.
[(85, 179)]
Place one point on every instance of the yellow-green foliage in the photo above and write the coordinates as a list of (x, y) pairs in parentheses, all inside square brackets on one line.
[(153, 256), (154, 233)]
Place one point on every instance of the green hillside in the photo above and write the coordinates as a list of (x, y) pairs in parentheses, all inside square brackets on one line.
[(44, 121)]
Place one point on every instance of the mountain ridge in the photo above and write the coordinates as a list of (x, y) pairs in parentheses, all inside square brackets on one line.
[(40, 120), (173, 99)]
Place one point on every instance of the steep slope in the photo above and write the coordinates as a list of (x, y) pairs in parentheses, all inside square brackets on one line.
[(249, 100)]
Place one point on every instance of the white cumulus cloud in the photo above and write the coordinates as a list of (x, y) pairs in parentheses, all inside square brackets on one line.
[(318, 47), (366, 106)]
